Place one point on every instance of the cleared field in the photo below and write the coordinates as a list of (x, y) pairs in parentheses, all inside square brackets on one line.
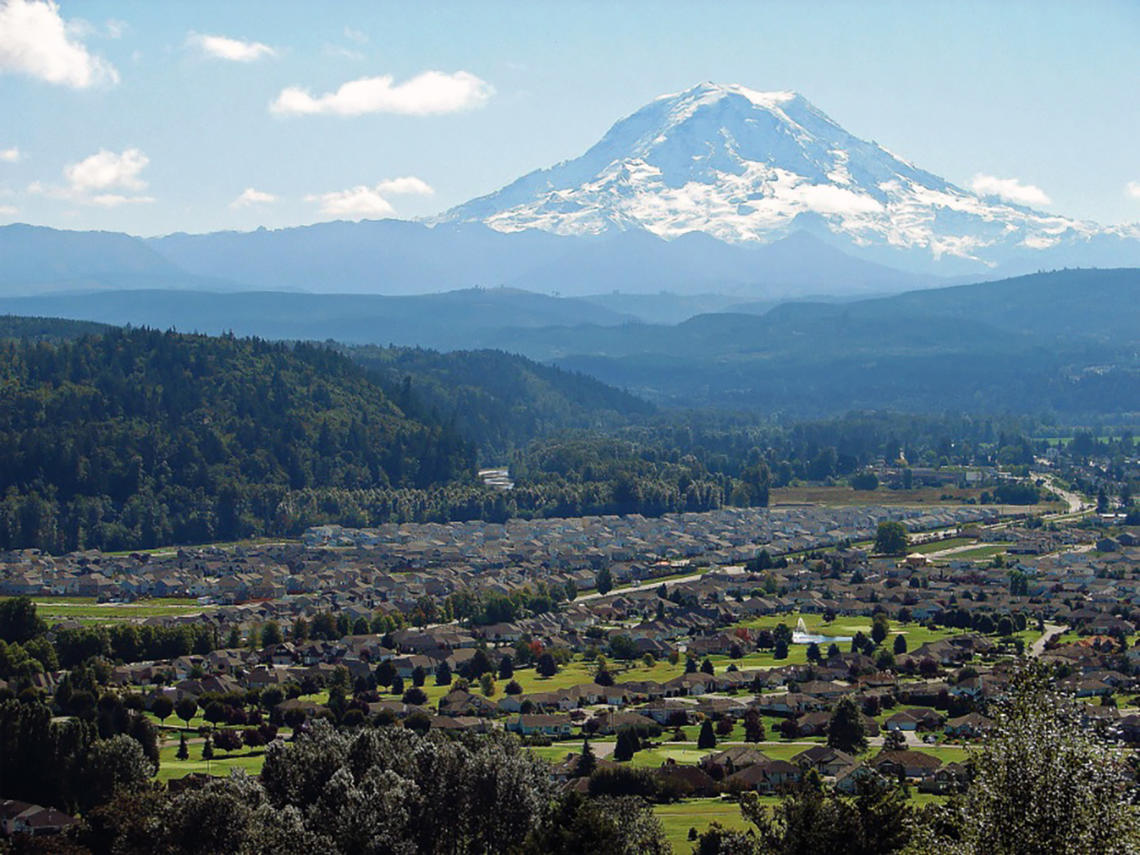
[(231, 544), (88, 610), (844, 495)]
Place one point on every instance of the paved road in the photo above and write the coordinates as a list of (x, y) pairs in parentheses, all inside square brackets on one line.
[(1052, 630), (953, 550), (1076, 502), (654, 583)]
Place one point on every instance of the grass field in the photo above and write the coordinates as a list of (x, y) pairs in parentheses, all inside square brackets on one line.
[(939, 545), (679, 817), (88, 610), (171, 767), (981, 553)]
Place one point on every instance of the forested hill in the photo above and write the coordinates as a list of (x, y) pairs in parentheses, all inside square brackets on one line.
[(499, 401), (46, 329), (135, 438)]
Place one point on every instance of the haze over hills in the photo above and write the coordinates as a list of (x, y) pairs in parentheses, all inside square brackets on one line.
[(456, 319), (1063, 341)]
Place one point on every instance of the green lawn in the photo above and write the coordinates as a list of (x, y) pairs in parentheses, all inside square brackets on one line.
[(171, 767), (939, 545), (916, 633), (686, 754), (981, 553), (679, 817)]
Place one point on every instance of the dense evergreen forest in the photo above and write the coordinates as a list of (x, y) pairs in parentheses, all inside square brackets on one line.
[(46, 329), (499, 401), (135, 438)]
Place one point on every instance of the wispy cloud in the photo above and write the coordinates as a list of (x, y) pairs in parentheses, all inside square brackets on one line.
[(1010, 189), (35, 40), (342, 52), (10, 155), (428, 93), (8, 211), (361, 38), (1133, 189), (114, 200), (363, 201), (249, 196), (234, 50)]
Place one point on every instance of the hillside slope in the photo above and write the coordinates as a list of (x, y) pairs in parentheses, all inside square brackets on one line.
[(137, 438), (496, 400)]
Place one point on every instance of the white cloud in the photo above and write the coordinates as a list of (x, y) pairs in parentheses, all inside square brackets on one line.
[(105, 179), (250, 196), (106, 170), (8, 211), (116, 28), (1133, 189), (357, 36), (409, 184), (10, 155), (355, 203), (428, 93), (34, 40), (363, 201), (234, 50), (1009, 189)]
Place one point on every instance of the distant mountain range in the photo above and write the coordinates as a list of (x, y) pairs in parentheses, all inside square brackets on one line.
[(397, 257), (469, 318)]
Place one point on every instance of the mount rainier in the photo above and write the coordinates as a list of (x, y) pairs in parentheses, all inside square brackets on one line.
[(749, 167)]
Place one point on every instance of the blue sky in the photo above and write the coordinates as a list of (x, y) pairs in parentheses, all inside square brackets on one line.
[(153, 117)]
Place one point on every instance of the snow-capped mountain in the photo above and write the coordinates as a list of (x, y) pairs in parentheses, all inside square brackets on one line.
[(751, 167)]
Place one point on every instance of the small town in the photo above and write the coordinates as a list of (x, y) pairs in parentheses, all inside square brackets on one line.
[(711, 653)]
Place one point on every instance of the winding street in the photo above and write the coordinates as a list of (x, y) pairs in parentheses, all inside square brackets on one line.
[(1052, 630)]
